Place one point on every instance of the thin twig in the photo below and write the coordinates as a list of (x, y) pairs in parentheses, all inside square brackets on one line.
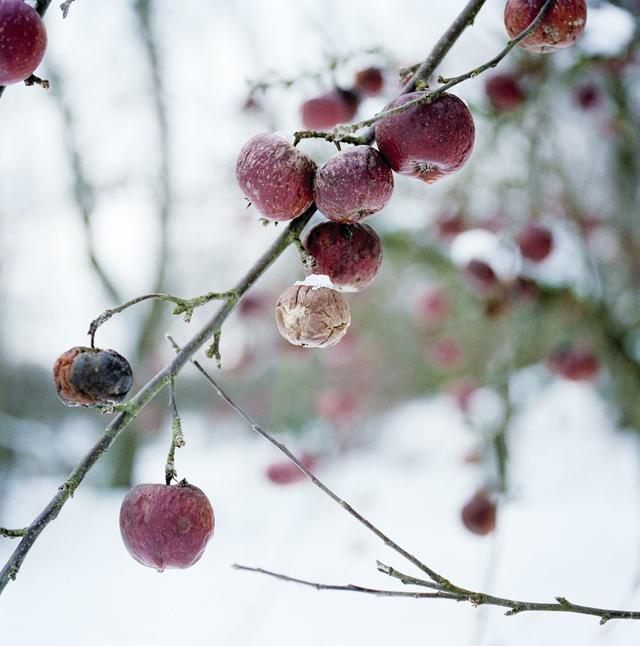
[(184, 306), (562, 604), (177, 438), (316, 481), (13, 533), (475, 598), (347, 588), (444, 588), (465, 19)]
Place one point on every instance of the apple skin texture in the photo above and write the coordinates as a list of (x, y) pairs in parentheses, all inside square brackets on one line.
[(350, 254), (429, 140), (353, 185), (561, 26), (23, 40), (275, 176), (166, 526)]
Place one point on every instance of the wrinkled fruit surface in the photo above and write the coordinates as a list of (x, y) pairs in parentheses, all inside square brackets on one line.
[(315, 317), (428, 140), (328, 110), (166, 526), (353, 185), (23, 39), (275, 176), (89, 376), (561, 26), (350, 254)]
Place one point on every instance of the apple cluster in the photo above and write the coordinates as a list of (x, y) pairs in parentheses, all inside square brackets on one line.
[(427, 141)]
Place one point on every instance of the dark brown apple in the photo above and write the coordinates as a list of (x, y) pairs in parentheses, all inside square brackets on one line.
[(350, 254)]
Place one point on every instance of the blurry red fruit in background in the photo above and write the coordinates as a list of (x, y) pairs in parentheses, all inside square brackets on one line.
[(479, 514)]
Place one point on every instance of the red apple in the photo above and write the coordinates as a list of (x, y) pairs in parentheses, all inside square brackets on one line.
[(429, 140), (561, 26), (350, 254), (166, 526), (23, 39), (275, 176), (353, 185)]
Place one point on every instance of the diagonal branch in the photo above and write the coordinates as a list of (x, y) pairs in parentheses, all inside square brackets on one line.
[(316, 481)]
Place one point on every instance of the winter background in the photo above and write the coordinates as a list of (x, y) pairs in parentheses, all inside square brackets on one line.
[(570, 525)]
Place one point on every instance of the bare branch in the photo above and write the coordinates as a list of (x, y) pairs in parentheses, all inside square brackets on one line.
[(347, 588)]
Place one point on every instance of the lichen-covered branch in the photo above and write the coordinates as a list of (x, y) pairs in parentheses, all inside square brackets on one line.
[(177, 438), (184, 306)]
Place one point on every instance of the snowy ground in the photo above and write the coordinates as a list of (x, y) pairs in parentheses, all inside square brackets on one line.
[(571, 529)]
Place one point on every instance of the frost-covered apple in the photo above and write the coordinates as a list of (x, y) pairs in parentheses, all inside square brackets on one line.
[(350, 254), (309, 316), (23, 40), (166, 526), (353, 185), (428, 140), (275, 176), (329, 109), (561, 26)]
